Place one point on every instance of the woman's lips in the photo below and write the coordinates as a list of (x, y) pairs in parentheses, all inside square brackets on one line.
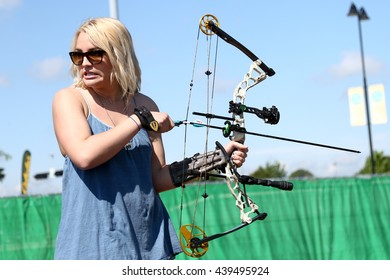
[(89, 75)]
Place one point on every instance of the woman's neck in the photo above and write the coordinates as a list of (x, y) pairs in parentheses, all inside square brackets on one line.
[(111, 94)]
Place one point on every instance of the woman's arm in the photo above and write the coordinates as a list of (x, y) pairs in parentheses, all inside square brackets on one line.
[(74, 135)]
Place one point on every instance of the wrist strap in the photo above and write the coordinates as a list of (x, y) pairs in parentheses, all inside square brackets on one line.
[(146, 118), (139, 127)]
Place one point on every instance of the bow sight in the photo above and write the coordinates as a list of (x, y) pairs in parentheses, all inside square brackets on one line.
[(270, 116)]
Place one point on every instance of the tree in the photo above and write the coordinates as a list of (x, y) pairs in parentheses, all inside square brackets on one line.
[(6, 156), (382, 164), (301, 173), (2, 175), (271, 170)]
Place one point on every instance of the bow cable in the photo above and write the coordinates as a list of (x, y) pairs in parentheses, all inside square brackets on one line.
[(186, 127), (191, 229)]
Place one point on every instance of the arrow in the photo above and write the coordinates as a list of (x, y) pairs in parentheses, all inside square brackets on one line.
[(229, 128)]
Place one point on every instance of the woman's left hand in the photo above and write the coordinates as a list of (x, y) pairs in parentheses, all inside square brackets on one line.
[(237, 151)]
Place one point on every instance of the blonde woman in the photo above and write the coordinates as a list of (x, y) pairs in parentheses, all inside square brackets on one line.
[(110, 136)]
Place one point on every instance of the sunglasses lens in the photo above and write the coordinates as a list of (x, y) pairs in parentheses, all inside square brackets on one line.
[(95, 57), (76, 57)]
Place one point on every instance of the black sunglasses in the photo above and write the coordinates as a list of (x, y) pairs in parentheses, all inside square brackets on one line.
[(95, 57)]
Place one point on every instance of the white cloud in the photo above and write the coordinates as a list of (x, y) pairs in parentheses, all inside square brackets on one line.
[(9, 4), (50, 68), (351, 64)]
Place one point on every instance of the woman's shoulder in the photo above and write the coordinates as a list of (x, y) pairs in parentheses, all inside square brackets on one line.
[(70, 95), (144, 100), (69, 92)]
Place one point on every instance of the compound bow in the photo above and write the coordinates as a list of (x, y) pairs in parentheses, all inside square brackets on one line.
[(193, 239)]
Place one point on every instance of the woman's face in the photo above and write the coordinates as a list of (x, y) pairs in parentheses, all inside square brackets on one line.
[(94, 75)]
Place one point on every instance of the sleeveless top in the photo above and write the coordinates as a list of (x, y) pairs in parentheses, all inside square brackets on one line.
[(113, 211)]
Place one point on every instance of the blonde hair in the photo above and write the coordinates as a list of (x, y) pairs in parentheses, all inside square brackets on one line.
[(113, 37)]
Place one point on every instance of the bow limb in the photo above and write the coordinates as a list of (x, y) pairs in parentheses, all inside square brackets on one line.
[(198, 243), (210, 25)]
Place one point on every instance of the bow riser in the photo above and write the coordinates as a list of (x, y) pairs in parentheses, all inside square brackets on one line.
[(239, 95)]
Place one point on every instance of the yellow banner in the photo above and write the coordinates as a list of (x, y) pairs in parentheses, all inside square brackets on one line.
[(25, 171)]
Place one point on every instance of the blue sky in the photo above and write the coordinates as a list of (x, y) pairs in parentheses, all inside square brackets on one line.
[(313, 47)]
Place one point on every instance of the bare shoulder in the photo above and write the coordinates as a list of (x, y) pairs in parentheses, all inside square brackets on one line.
[(144, 100), (66, 93), (70, 96)]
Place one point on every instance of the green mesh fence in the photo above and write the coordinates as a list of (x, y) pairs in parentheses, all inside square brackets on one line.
[(322, 219), (28, 227)]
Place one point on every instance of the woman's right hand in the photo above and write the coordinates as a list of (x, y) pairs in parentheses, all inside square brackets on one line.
[(165, 123)]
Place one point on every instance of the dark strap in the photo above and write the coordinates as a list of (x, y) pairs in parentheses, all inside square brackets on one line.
[(146, 118)]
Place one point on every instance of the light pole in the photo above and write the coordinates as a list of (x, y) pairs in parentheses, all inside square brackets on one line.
[(361, 15), (113, 9)]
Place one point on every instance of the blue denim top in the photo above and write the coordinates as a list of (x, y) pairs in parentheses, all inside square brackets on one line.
[(113, 211)]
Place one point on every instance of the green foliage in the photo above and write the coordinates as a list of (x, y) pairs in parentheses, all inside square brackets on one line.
[(301, 173), (382, 164), (6, 157), (271, 170), (2, 175)]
